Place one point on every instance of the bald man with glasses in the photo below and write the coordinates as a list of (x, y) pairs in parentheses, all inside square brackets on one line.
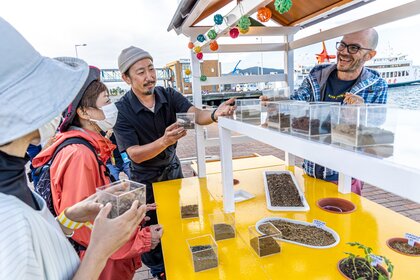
[(348, 82)]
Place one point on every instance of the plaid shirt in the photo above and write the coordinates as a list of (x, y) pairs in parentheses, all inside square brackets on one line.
[(369, 85)]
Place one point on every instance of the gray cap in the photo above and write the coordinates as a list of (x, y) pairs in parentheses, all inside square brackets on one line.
[(129, 56)]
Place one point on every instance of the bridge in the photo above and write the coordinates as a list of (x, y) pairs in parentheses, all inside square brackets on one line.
[(114, 75)]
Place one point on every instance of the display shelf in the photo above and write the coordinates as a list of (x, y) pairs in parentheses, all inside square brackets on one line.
[(396, 171)]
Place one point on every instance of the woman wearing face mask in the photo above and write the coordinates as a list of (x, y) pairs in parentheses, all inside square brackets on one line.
[(33, 91), (75, 172)]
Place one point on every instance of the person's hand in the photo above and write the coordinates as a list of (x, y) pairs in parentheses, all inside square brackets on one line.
[(227, 108), (109, 134), (264, 99), (173, 133), (157, 232), (354, 99), (85, 210), (108, 235), (151, 206)]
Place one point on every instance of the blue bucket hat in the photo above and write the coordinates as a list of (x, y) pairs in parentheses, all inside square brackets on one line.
[(33, 89)]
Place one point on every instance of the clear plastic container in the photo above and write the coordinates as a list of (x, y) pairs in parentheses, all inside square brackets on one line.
[(186, 120), (248, 110), (265, 244), (363, 125), (203, 251), (188, 205), (121, 195), (222, 226), (278, 115), (277, 94), (310, 118)]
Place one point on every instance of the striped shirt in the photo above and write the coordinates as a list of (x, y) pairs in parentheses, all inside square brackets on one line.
[(32, 245)]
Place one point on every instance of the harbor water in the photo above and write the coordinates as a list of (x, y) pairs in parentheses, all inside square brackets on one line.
[(405, 97)]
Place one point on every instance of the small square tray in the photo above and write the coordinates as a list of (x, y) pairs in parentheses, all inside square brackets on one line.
[(305, 206), (242, 195)]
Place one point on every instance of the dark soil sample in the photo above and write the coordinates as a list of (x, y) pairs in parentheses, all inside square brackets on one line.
[(120, 204), (362, 270), (273, 117), (249, 114), (223, 231), (403, 247), (189, 211), (281, 120), (305, 234), (203, 257), (302, 125), (186, 123), (284, 120), (267, 245), (283, 191), (366, 136)]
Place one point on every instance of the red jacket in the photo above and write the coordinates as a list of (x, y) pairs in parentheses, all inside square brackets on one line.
[(74, 177)]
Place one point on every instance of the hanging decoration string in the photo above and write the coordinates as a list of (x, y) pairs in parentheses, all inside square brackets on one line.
[(283, 6)]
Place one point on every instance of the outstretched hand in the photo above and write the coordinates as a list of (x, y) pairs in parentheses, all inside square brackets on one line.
[(85, 210), (227, 108), (173, 133), (354, 99), (108, 235)]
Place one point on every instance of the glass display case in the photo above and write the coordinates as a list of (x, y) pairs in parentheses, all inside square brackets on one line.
[(248, 110), (310, 118), (121, 194), (362, 125), (203, 251)]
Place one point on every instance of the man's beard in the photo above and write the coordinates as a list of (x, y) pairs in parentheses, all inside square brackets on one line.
[(353, 66), (149, 92)]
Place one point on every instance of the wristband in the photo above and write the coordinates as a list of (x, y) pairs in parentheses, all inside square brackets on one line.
[(62, 219), (212, 116)]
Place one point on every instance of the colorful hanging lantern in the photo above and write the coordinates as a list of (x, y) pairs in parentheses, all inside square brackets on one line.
[(201, 38), (212, 34), (234, 33), (203, 78), (282, 6), (244, 22), (218, 19), (243, 31), (214, 46), (264, 14), (199, 56), (187, 72), (190, 45), (197, 49)]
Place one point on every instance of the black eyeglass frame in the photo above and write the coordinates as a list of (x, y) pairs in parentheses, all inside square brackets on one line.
[(345, 46)]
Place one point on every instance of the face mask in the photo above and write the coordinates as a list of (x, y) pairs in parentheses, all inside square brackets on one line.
[(111, 113), (48, 130)]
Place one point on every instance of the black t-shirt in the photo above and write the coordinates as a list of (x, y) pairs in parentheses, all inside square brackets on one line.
[(137, 125), (335, 88)]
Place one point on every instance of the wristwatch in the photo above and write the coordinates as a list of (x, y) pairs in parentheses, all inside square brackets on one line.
[(212, 115)]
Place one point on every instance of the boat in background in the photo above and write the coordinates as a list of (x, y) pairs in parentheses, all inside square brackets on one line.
[(396, 70)]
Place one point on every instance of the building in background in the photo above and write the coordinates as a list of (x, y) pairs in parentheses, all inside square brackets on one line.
[(177, 79)]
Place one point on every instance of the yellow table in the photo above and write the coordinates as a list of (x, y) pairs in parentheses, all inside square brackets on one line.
[(371, 224), (214, 167)]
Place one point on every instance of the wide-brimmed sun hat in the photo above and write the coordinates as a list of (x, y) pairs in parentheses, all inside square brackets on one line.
[(33, 89)]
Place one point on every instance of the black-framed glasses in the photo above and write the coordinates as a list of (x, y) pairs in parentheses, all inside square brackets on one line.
[(351, 48)]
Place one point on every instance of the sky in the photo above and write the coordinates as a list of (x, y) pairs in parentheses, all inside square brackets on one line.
[(54, 27)]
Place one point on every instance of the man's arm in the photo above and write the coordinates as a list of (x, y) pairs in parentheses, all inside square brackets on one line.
[(140, 153), (203, 117)]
